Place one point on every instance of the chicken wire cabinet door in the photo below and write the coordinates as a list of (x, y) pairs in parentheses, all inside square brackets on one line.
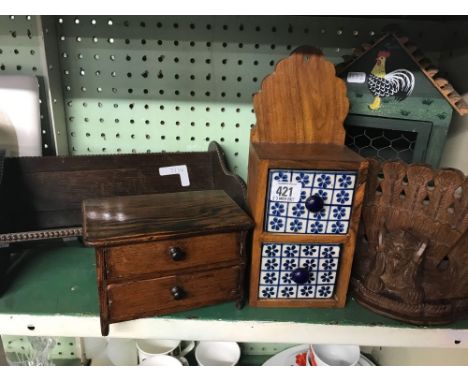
[(309, 202)]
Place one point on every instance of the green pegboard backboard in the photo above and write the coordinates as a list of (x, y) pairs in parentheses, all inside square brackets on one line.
[(153, 83)]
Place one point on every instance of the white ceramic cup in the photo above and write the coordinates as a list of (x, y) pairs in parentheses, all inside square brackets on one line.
[(151, 346), (122, 351), (213, 353), (161, 360), (333, 355)]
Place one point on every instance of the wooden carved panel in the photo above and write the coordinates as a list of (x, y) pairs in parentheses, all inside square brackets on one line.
[(412, 259), (302, 101)]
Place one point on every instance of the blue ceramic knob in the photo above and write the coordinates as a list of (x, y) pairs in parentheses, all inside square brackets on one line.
[(300, 275), (314, 203)]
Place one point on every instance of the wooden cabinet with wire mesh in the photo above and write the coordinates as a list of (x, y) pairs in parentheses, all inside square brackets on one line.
[(305, 188)]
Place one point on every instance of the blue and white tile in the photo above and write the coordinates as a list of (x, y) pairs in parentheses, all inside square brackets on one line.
[(306, 291), (310, 250), (324, 291), (297, 210), (339, 213), (271, 250), (285, 278), (326, 277), (277, 209), (330, 264), (280, 176), (305, 178), (326, 195), (316, 226), (267, 291), (291, 250), (276, 224), (287, 291), (328, 251), (269, 278), (342, 197), (323, 214), (324, 180), (338, 227), (345, 180), (270, 264), (295, 225), (289, 263), (311, 263)]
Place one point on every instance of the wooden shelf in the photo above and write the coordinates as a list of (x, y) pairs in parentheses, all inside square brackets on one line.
[(54, 292)]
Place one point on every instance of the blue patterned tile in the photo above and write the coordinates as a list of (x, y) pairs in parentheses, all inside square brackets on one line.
[(270, 264), (308, 250), (311, 263), (277, 209), (297, 210), (287, 291), (336, 188), (267, 292), (317, 226), (305, 178), (306, 291), (345, 181), (337, 227), (269, 278), (321, 260), (324, 180), (271, 250), (342, 197), (330, 264), (328, 251), (291, 250), (327, 277), (324, 291), (281, 176), (276, 224), (295, 225)]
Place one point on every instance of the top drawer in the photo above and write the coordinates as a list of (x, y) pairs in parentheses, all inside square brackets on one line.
[(309, 201), (167, 256)]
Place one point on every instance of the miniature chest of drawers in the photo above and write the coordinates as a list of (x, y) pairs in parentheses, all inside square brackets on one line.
[(305, 188), (164, 253)]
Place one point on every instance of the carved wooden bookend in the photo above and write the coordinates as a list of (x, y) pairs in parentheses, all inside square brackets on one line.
[(305, 188), (412, 258)]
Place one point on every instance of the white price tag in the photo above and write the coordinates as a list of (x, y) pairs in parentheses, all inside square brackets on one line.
[(356, 77), (286, 192), (177, 170)]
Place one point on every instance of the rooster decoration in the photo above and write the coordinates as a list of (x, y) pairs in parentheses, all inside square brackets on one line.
[(399, 83)]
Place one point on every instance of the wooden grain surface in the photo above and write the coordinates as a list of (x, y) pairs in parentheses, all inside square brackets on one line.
[(153, 296), (306, 152), (142, 218), (143, 259), (301, 102)]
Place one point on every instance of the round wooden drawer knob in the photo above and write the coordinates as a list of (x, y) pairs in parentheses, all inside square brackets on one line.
[(300, 275), (176, 253), (314, 203), (178, 293)]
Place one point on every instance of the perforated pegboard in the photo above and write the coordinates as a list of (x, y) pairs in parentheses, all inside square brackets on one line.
[(146, 84), (20, 53)]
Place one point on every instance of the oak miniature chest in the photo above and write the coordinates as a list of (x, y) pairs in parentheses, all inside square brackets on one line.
[(163, 253)]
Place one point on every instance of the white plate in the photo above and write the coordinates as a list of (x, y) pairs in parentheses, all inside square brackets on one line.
[(288, 357)]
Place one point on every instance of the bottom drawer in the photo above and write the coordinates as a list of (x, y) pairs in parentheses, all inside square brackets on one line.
[(172, 293), (298, 271)]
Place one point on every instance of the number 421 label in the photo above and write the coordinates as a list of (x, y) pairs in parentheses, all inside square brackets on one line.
[(286, 192)]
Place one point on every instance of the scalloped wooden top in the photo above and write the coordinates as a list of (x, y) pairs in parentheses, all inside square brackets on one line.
[(302, 101)]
